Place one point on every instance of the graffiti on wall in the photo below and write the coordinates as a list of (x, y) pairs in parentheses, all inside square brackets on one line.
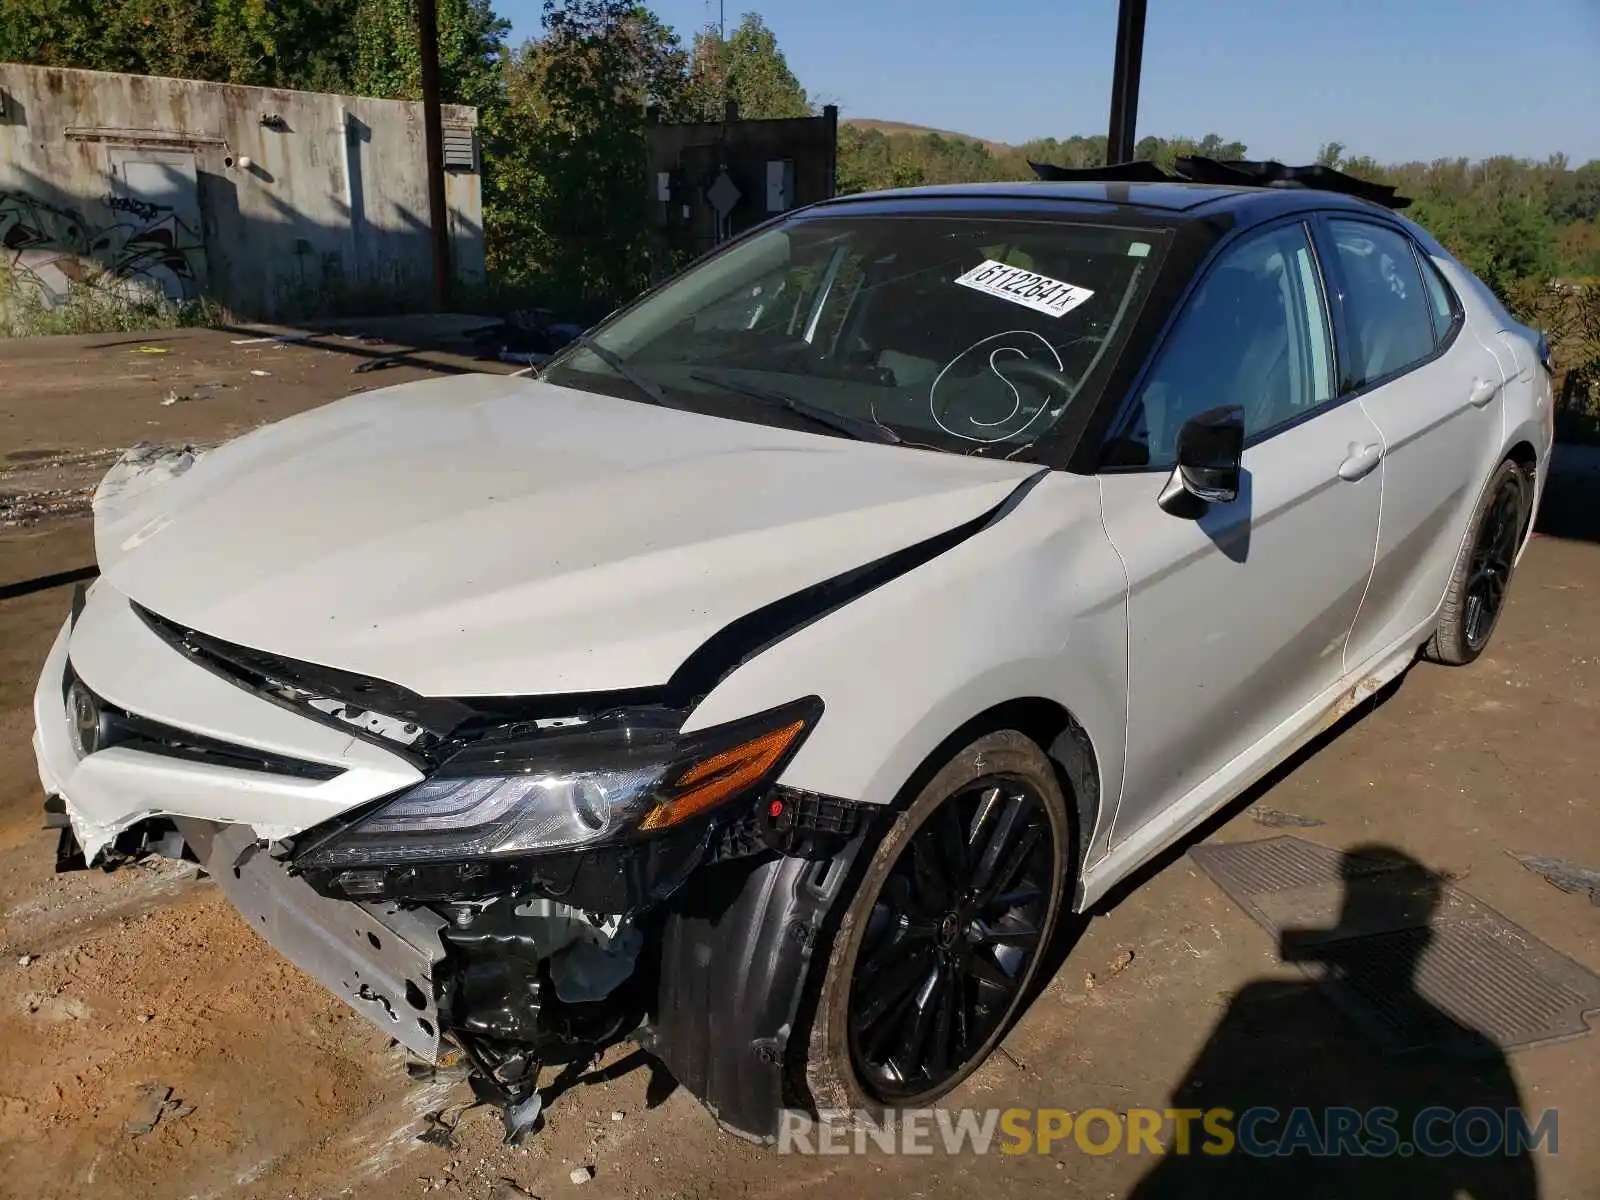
[(142, 251)]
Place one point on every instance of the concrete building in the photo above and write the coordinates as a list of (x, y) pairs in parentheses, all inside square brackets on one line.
[(275, 204)]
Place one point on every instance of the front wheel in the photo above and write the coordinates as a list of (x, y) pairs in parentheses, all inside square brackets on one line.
[(934, 956), (1477, 591)]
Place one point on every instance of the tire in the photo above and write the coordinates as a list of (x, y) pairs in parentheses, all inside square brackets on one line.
[(924, 964), (1476, 594)]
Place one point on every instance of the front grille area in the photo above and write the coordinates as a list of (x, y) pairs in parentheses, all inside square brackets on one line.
[(380, 712), (148, 736)]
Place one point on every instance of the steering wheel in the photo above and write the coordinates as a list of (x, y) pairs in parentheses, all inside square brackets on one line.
[(1015, 370)]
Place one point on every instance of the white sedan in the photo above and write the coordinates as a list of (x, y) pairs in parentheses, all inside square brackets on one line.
[(763, 681)]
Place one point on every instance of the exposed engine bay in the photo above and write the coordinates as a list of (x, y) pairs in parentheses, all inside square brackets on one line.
[(709, 979), (424, 912)]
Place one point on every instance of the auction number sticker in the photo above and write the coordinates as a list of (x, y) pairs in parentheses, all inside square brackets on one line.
[(1053, 297)]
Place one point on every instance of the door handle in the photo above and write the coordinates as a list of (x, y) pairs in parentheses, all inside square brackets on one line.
[(1361, 461), (1483, 391)]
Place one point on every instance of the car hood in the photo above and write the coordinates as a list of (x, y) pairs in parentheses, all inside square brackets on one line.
[(487, 535)]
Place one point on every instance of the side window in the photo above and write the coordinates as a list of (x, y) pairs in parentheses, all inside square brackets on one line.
[(1446, 308), (1386, 305), (1255, 334)]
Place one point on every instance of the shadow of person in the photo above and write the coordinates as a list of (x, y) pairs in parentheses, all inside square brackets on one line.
[(1319, 1108)]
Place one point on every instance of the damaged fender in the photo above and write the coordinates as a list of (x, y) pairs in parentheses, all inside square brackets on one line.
[(737, 982)]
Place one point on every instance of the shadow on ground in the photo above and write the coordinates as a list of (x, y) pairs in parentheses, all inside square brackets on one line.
[(1314, 1108), (1571, 504)]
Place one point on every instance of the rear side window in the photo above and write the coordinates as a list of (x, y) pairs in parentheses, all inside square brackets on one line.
[(1387, 308), (1446, 308)]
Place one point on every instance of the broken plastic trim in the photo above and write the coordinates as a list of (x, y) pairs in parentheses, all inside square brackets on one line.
[(296, 685), (1196, 168)]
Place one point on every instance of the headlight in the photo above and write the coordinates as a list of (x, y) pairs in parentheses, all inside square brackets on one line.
[(499, 798)]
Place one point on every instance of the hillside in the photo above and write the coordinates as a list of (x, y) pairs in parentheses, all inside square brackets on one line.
[(889, 127)]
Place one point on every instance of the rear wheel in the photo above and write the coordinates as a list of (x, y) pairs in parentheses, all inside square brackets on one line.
[(1477, 591), (934, 956)]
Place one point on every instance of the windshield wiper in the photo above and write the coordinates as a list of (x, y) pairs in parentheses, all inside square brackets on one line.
[(620, 365), (862, 431)]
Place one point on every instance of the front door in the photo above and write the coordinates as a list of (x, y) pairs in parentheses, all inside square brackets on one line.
[(1240, 618)]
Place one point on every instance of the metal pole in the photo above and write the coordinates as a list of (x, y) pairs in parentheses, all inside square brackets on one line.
[(433, 139), (1125, 81)]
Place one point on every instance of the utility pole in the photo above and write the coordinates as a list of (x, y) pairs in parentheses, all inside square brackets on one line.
[(433, 141), (1125, 81)]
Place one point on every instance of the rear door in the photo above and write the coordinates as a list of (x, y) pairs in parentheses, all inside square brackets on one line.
[(1434, 391), (1239, 619)]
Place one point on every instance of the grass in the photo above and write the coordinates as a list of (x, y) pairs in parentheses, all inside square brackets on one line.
[(24, 312)]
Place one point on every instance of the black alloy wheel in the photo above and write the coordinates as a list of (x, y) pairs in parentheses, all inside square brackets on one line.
[(1476, 594), (939, 945), (1489, 572), (956, 925)]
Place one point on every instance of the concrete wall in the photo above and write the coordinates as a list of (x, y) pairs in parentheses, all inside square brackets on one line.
[(276, 204)]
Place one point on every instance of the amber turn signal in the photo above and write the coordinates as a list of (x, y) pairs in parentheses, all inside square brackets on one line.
[(712, 780)]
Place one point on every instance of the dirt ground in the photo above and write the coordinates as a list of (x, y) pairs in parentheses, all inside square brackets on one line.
[(113, 984)]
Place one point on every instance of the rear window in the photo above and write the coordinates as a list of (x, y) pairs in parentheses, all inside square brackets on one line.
[(955, 332)]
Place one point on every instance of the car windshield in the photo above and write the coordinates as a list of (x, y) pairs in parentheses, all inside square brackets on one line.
[(961, 333)]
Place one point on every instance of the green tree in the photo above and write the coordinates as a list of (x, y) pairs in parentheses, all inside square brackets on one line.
[(471, 51), (274, 43), (576, 225), (747, 67)]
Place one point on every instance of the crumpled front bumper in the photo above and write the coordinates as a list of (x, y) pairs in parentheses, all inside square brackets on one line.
[(127, 665), (380, 959)]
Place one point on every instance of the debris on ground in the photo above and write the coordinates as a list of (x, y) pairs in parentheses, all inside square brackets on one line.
[(27, 507), (439, 1132), (1116, 967), (581, 1174), (1569, 877), (152, 350), (199, 392), (156, 1103), (24, 959), (616, 1116), (1276, 818), (279, 339), (257, 371), (509, 1189), (376, 364)]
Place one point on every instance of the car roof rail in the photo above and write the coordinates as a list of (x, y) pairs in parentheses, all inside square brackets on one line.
[(1195, 168)]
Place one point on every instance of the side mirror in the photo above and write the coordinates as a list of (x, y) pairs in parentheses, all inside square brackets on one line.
[(1210, 450)]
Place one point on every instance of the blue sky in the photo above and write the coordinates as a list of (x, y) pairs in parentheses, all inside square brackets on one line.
[(1397, 79)]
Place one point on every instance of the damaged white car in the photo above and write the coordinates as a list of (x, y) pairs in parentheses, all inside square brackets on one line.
[(763, 681)]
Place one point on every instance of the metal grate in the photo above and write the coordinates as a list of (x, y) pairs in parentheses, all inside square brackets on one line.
[(1418, 964), (460, 150)]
